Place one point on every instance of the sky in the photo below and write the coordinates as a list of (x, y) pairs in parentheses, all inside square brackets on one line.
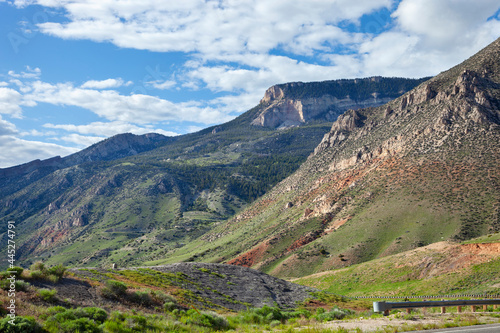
[(74, 72)]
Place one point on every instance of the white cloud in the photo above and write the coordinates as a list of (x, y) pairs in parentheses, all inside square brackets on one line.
[(7, 128), (81, 140), (21, 151), (30, 73), (105, 84), (108, 129), (162, 85), (10, 101), (211, 28), (109, 104)]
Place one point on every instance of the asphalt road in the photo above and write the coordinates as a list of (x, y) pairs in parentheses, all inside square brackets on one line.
[(493, 328)]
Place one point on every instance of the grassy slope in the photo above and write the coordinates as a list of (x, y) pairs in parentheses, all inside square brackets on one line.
[(443, 268)]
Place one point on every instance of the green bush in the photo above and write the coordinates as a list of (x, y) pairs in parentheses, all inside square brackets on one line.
[(93, 313), (161, 297), (75, 320), (53, 274), (57, 271), (37, 275), (16, 270), (20, 285), (38, 266), (21, 325), (47, 294), (141, 297), (122, 323), (267, 315), (334, 313), (170, 306), (114, 289), (207, 319)]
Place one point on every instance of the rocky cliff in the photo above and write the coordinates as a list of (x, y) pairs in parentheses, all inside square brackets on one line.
[(296, 103)]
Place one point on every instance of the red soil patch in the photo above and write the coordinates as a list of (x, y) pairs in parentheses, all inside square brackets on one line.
[(248, 259)]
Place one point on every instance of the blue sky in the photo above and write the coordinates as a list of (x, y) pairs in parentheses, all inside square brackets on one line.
[(73, 72)]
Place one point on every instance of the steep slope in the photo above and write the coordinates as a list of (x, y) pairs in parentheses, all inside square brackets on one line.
[(441, 268), (420, 169), (131, 198)]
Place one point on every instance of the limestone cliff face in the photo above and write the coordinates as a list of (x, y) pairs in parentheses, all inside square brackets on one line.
[(282, 106)]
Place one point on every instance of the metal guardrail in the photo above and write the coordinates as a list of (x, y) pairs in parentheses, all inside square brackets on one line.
[(427, 296), (385, 307)]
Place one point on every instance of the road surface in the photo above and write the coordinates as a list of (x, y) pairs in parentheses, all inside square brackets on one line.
[(493, 328)]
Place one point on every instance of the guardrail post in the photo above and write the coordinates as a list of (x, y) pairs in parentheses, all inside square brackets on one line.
[(473, 308), (459, 309), (485, 307)]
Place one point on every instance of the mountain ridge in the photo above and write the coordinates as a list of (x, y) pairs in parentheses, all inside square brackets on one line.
[(420, 169), (118, 203)]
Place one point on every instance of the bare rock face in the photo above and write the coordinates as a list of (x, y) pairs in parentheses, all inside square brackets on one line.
[(278, 110), (244, 287)]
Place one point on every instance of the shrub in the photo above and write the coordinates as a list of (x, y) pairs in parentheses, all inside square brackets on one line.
[(57, 271), (114, 289), (56, 325), (122, 323), (21, 325), (170, 306), (47, 294), (37, 275), (16, 270), (94, 313), (162, 297), (141, 297), (52, 274), (38, 266), (207, 319), (75, 320), (20, 285), (334, 313)]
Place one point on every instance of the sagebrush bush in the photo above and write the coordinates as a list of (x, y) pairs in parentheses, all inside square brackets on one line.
[(54, 274), (19, 285), (47, 294), (334, 313), (141, 297), (206, 318), (114, 289), (75, 320), (21, 325)]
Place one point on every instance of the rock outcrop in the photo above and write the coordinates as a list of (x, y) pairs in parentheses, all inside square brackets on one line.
[(282, 107)]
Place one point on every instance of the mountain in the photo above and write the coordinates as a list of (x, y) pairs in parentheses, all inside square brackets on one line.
[(129, 199), (420, 169), (118, 146)]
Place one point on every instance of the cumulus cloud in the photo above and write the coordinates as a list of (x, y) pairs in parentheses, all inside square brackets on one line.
[(7, 128), (111, 105), (107, 129), (81, 140), (10, 102), (208, 27), (162, 85), (245, 46), (106, 84), (22, 151), (30, 73)]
